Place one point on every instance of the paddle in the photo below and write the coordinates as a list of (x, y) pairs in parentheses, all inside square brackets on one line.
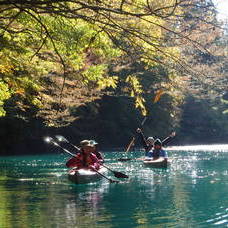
[(133, 138), (49, 139), (156, 99), (116, 173), (130, 159), (60, 138), (111, 180)]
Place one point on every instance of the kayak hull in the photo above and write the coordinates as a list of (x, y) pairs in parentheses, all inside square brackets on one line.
[(85, 176), (156, 163)]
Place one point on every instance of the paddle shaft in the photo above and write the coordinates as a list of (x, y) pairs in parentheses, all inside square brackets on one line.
[(130, 144), (77, 148), (67, 151), (157, 97), (106, 167), (133, 138), (130, 159), (112, 181)]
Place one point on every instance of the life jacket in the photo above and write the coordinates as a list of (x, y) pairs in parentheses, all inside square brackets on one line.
[(81, 161), (149, 148), (156, 153), (99, 156)]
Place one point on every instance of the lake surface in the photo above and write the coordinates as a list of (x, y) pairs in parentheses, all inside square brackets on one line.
[(192, 192)]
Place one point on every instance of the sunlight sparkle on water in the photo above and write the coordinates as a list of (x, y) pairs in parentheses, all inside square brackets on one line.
[(214, 147)]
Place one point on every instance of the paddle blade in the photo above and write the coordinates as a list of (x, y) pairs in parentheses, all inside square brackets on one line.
[(48, 139), (60, 138), (120, 175)]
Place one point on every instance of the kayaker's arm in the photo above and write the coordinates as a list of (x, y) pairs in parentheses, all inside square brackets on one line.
[(163, 154), (142, 139), (168, 139), (99, 157), (95, 162), (74, 162)]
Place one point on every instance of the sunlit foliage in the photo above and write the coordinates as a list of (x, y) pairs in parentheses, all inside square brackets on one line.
[(80, 40)]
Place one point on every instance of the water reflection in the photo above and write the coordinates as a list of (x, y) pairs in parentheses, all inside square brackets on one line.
[(81, 204), (32, 191)]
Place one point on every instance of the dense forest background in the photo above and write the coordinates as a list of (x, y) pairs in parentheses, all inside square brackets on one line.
[(94, 69)]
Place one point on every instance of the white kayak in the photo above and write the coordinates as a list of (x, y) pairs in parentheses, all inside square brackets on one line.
[(84, 176), (156, 163)]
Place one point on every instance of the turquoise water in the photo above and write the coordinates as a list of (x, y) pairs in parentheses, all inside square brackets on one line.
[(192, 192)]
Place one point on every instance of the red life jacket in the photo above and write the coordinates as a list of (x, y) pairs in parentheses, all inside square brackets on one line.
[(81, 161)]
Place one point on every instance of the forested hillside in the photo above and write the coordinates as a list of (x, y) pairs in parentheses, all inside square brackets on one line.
[(94, 69)]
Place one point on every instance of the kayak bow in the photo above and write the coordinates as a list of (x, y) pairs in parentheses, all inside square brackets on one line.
[(156, 163), (84, 176)]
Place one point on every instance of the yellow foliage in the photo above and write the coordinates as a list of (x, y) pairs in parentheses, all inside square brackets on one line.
[(107, 82), (5, 66), (35, 101), (158, 95), (136, 91), (4, 95), (5, 69), (140, 103), (20, 91), (135, 84)]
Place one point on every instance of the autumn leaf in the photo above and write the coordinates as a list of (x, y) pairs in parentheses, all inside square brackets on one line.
[(158, 95)]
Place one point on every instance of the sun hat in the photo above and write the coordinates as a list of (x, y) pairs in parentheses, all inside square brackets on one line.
[(93, 142), (150, 139), (158, 142), (86, 143)]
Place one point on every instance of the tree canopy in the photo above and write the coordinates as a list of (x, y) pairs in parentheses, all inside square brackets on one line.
[(93, 67), (89, 40)]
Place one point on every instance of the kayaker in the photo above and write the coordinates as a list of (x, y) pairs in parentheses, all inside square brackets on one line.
[(148, 143), (84, 159), (96, 151), (157, 151)]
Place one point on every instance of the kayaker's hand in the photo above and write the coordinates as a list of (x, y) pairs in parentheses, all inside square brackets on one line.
[(173, 134), (91, 167), (139, 130)]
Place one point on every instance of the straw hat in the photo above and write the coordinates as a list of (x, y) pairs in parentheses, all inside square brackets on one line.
[(93, 142), (86, 143)]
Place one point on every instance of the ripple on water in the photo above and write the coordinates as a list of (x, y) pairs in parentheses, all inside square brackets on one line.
[(191, 192), (220, 218)]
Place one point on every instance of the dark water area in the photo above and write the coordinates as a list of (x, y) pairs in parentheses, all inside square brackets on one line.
[(191, 192)]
